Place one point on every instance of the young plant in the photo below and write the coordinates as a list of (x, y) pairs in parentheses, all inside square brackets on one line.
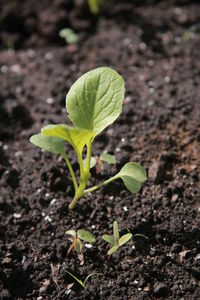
[(94, 6), (93, 103), (83, 283), (115, 240), (76, 237), (69, 35)]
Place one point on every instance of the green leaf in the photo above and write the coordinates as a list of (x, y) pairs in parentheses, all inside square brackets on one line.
[(95, 99), (109, 239), (94, 6), (113, 249), (78, 245), (71, 232), (52, 144), (85, 236), (110, 159), (124, 239), (92, 162), (77, 137), (90, 275), (132, 175), (78, 280), (115, 231), (69, 35)]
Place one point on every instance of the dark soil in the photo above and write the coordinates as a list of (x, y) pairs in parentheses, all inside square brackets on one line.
[(159, 128)]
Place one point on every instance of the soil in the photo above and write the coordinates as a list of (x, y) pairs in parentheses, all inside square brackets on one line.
[(158, 128)]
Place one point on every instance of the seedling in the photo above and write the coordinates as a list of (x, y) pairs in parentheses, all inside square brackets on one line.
[(69, 35), (188, 33), (76, 237), (93, 103), (94, 6), (83, 283), (115, 240)]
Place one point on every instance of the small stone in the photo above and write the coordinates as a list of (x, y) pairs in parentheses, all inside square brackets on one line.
[(197, 257), (48, 56), (50, 101), (4, 69), (53, 201), (174, 198), (17, 215), (156, 171), (125, 208), (89, 246), (161, 290), (48, 219)]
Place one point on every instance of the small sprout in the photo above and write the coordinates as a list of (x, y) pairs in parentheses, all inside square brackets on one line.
[(108, 158), (93, 103), (69, 35), (76, 237), (192, 29), (115, 240), (83, 283), (94, 6)]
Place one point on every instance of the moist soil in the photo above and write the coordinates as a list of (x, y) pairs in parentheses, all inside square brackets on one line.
[(159, 128)]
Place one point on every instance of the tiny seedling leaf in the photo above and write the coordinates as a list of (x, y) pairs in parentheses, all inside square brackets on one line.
[(69, 35), (109, 239), (113, 249), (77, 245), (133, 175), (108, 158), (71, 232), (52, 144), (77, 137), (124, 239), (94, 6), (92, 162), (78, 280), (95, 100), (85, 236), (90, 275), (115, 231)]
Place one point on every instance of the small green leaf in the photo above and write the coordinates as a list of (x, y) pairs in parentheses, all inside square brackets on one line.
[(94, 6), (92, 162), (110, 159), (77, 137), (113, 249), (95, 100), (78, 280), (78, 245), (71, 232), (115, 231), (132, 175), (52, 144), (85, 236), (124, 239), (109, 239), (69, 35), (90, 275)]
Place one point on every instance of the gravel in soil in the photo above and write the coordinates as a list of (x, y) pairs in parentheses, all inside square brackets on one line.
[(159, 128)]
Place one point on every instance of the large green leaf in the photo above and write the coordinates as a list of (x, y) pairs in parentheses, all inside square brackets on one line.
[(133, 175), (95, 99), (52, 144), (77, 137), (85, 236)]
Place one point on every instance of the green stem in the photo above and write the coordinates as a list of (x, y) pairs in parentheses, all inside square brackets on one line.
[(88, 160), (71, 172), (94, 188)]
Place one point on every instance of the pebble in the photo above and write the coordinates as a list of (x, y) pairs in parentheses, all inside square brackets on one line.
[(48, 219), (16, 69), (167, 79), (161, 290), (17, 215), (53, 201), (50, 101), (174, 198), (197, 257), (150, 63), (125, 208), (48, 56), (31, 53), (89, 246), (5, 147), (142, 46), (156, 171), (4, 69), (18, 153)]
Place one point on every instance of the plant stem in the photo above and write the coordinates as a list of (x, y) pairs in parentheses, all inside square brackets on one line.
[(94, 188), (88, 160), (71, 172)]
